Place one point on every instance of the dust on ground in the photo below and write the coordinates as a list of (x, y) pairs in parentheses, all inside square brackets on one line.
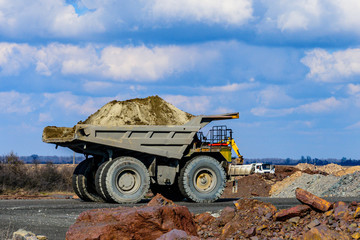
[(152, 110)]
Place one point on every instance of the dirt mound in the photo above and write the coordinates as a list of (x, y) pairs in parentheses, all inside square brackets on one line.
[(252, 185), (346, 171), (329, 168), (139, 111)]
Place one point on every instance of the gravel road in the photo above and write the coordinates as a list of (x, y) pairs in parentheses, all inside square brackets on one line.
[(52, 218)]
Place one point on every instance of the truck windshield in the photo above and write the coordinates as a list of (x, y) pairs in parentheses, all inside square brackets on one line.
[(266, 166)]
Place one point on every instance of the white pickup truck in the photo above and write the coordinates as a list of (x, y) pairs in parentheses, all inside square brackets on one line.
[(264, 168)]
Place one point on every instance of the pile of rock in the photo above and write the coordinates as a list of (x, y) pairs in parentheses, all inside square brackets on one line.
[(161, 219), (331, 182), (253, 219)]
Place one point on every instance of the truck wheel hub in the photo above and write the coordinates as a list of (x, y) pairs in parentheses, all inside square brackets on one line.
[(205, 180), (126, 181)]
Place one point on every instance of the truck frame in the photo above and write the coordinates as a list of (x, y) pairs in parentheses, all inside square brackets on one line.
[(122, 163)]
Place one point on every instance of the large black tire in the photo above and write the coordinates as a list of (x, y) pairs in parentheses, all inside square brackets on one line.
[(99, 182), (84, 183), (202, 179), (125, 180), (171, 192)]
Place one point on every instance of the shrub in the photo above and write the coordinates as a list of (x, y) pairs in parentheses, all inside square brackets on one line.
[(15, 175)]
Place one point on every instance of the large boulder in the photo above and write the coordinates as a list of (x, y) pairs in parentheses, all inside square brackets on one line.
[(148, 222)]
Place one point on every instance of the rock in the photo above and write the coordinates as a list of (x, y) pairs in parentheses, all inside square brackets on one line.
[(250, 232), (204, 218), (284, 214), (177, 234), (229, 229), (341, 210), (312, 200), (149, 222), (160, 200), (313, 223), (356, 235), (294, 220), (357, 212), (253, 204), (323, 232), (227, 214), (22, 234), (41, 237)]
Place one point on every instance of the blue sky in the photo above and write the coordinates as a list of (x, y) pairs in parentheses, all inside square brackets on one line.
[(290, 68)]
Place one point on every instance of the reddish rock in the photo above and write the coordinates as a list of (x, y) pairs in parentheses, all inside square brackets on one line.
[(177, 234), (260, 207), (323, 232), (146, 223), (229, 229), (204, 218), (227, 214), (160, 200), (341, 210), (312, 200), (357, 212), (284, 214)]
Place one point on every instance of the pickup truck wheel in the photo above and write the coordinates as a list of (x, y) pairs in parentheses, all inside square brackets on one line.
[(83, 181), (171, 192), (99, 182), (202, 179), (125, 180)]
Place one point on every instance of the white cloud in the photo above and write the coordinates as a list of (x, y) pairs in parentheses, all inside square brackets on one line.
[(192, 104), (233, 87), (15, 102), (15, 57), (47, 19), (45, 117), (262, 112), (319, 107), (354, 126), (274, 95), (96, 86), (68, 103), (353, 89), (143, 63), (228, 12), (119, 63), (332, 67), (317, 16)]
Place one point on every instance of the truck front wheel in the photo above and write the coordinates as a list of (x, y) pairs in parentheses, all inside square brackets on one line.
[(202, 179), (126, 180)]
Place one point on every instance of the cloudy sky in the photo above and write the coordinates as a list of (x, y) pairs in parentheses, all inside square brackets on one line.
[(290, 68)]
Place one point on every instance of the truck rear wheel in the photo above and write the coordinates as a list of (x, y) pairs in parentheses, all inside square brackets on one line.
[(125, 180), (202, 179), (99, 182), (83, 181)]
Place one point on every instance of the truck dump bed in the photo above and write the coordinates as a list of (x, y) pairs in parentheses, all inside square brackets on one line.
[(166, 141)]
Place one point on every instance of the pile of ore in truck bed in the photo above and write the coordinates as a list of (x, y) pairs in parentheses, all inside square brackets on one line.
[(152, 110)]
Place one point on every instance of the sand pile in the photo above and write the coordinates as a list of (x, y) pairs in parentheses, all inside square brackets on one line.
[(139, 111), (329, 168), (346, 171)]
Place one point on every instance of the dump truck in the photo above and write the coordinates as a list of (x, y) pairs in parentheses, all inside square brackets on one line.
[(123, 162)]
